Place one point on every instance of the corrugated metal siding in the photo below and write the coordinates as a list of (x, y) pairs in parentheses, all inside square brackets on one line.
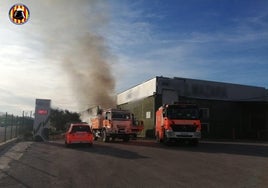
[(211, 90), (140, 109)]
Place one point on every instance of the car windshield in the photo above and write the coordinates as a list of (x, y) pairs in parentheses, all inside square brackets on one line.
[(81, 128), (177, 112)]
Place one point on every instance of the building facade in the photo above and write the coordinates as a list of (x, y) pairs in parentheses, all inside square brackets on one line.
[(229, 111)]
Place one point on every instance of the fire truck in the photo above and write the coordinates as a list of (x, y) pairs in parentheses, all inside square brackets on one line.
[(178, 122), (115, 123)]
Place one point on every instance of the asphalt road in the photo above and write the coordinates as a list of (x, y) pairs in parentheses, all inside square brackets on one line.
[(141, 163)]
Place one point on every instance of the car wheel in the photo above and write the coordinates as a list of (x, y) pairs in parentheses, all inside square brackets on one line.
[(166, 140), (67, 145), (194, 142), (158, 140)]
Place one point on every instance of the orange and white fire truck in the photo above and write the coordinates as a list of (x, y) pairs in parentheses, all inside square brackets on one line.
[(178, 122), (115, 123)]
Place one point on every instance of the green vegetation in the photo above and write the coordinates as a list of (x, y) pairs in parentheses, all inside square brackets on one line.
[(11, 120), (60, 118)]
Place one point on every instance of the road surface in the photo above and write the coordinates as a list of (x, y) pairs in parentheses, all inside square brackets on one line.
[(141, 163)]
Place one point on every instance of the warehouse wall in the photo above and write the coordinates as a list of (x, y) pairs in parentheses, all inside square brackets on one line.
[(255, 120), (222, 120), (143, 109), (233, 120)]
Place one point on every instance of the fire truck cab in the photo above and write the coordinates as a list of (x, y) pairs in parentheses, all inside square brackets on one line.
[(115, 123), (178, 122)]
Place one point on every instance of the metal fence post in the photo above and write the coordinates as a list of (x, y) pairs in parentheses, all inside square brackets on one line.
[(23, 121), (5, 137), (16, 131), (12, 123)]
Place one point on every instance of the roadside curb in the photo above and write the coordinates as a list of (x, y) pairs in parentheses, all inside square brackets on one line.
[(4, 145), (6, 142), (236, 141)]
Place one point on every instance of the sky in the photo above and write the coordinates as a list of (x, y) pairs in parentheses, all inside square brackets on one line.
[(223, 41)]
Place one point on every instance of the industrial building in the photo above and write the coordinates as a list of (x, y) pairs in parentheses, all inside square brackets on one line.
[(229, 111)]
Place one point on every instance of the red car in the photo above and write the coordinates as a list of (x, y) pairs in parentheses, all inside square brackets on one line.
[(78, 133)]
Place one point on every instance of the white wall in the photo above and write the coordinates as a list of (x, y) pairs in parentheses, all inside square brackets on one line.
[(143, 90)]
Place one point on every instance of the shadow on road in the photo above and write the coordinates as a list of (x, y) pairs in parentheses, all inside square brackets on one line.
[(236, 148), (102, 149), (111, 149), (15, 179), (4, 147), (231, 148)]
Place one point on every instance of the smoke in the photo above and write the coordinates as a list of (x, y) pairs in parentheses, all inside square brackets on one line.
[(90, 71), (70, 32)]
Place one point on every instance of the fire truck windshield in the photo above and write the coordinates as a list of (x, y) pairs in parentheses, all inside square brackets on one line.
[(178, 112), (121, 116)]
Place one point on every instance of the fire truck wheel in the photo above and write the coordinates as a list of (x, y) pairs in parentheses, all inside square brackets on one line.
[(105, 138), (67, 145), (165, 139), (158, 140), (95, 136), (126, 139), (194, 142)]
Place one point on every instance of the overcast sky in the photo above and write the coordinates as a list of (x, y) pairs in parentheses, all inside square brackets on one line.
[(223, 40)]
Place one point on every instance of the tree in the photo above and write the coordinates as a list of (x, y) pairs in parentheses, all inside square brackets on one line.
[(60, 118)]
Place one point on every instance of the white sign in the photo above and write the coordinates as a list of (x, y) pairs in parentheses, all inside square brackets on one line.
[(148, 115)]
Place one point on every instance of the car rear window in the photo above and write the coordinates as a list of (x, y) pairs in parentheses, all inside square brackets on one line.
[(80, 128)]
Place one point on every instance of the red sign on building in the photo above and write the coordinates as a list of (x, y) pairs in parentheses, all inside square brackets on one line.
[(42, 112)]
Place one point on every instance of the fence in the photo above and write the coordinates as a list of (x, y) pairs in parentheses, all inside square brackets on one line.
[(14, 126)]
